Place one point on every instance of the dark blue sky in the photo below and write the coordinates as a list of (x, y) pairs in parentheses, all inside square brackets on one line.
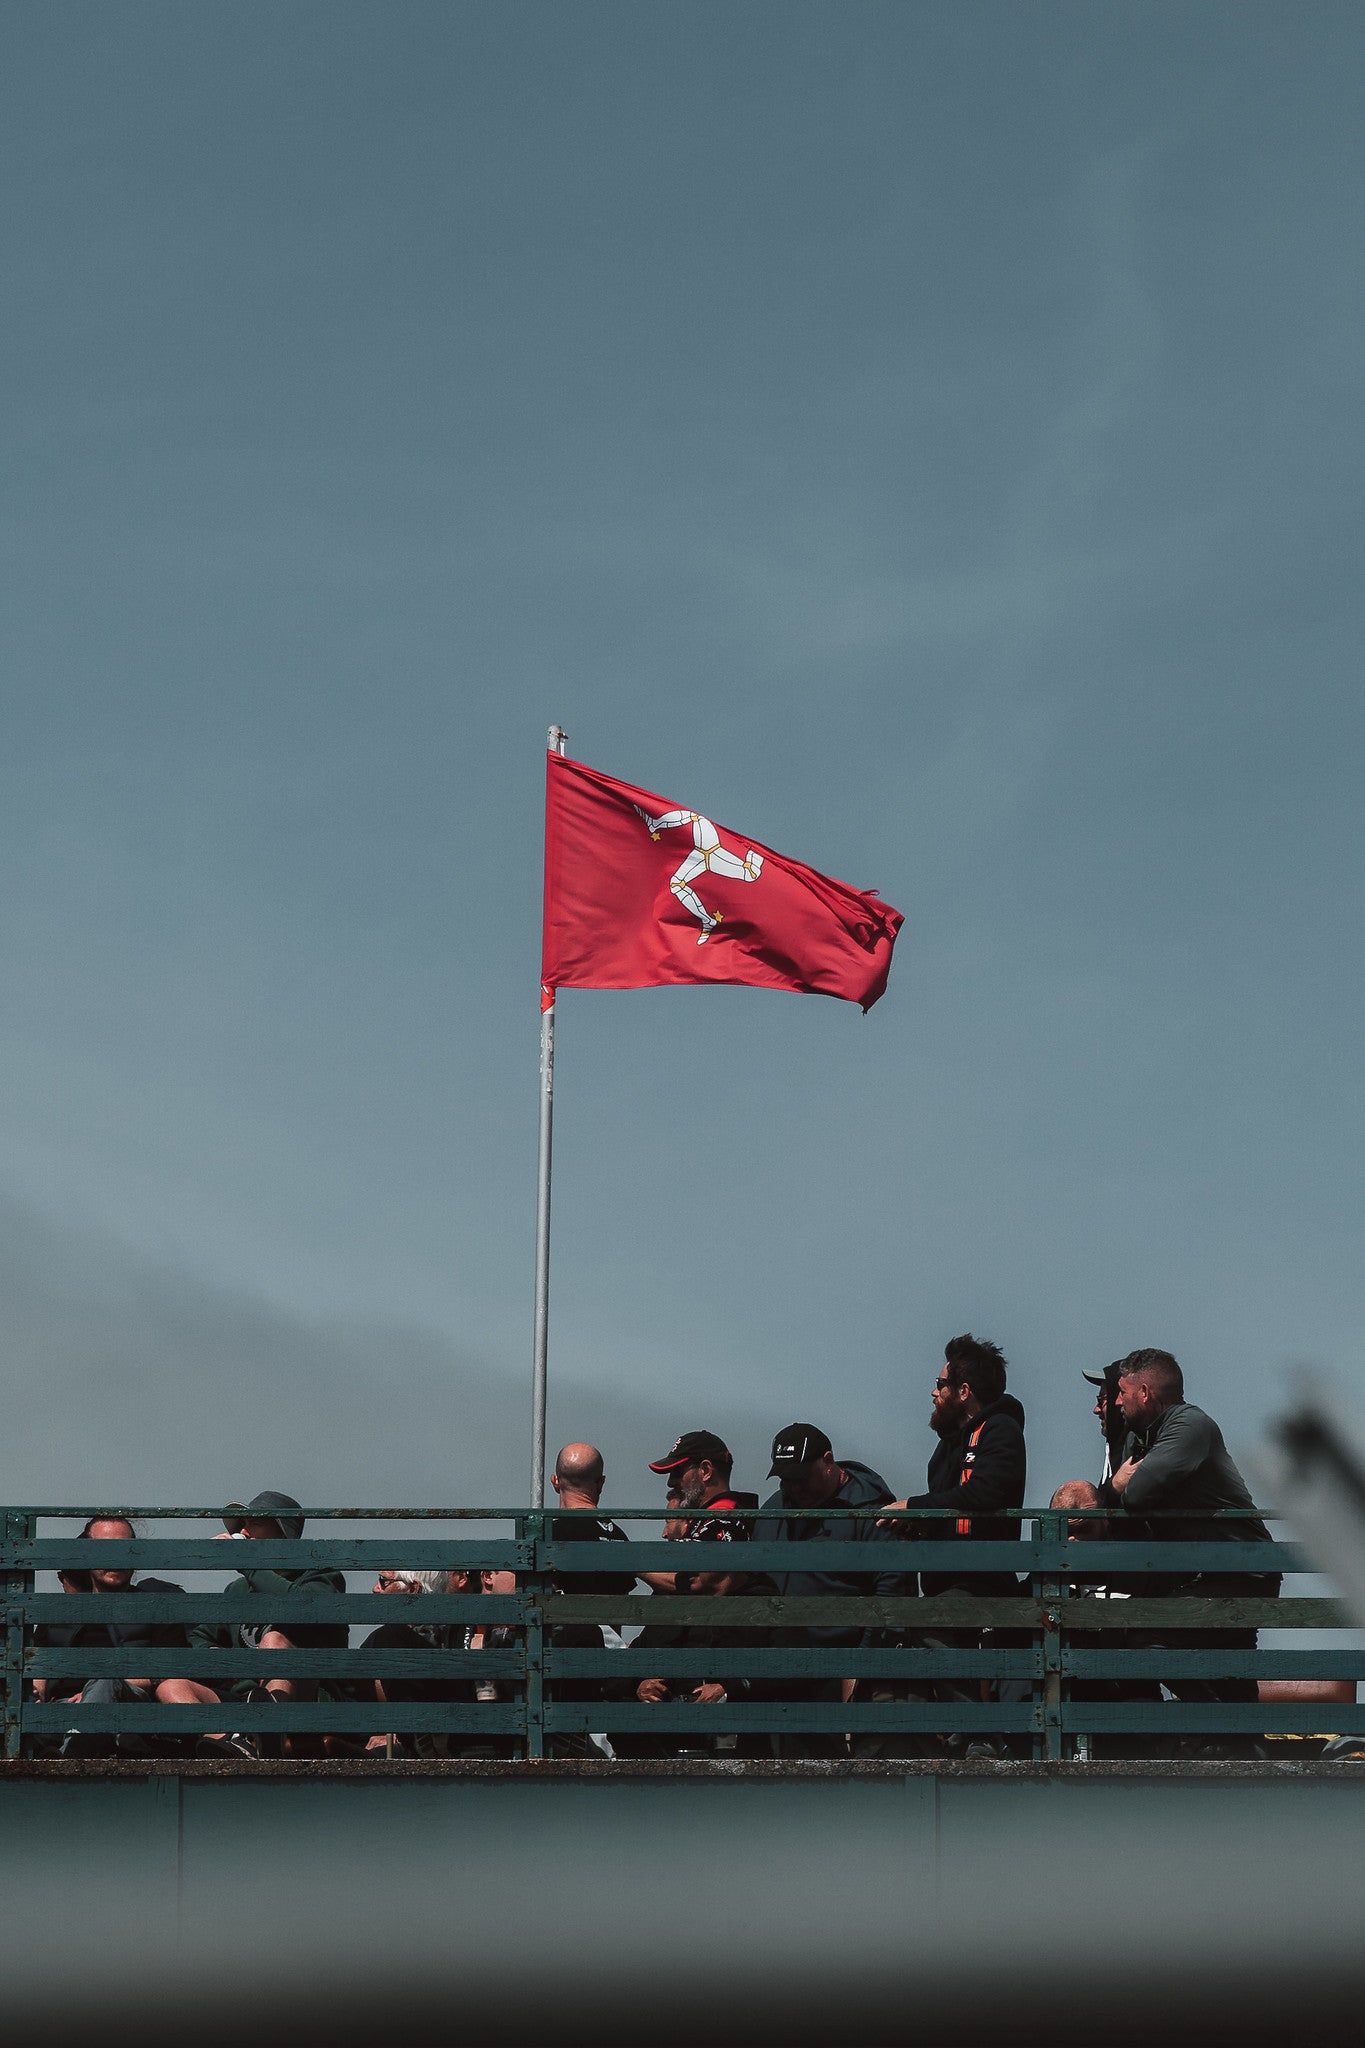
[(927, 439)]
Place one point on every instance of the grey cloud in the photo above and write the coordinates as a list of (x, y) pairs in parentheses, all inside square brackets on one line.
[(140, 1380)]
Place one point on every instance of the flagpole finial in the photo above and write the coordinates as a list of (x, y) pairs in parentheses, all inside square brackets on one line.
[(557, 739)]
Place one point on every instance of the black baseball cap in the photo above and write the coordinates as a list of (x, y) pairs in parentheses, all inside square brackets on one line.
[(691, 1445), (800, 1443), (1108, 1379), (265, 1507)]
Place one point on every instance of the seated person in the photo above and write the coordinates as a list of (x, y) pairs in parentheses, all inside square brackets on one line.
[(131, 1634), (1080, 1500), (412, 1633), (270, 1517), (727, 1682)]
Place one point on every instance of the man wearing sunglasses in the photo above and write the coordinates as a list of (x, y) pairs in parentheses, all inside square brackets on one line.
[(978, 1468)]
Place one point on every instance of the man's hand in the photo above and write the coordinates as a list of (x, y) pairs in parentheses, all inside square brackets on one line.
[(709, 1694), (1119, 1480), (899, 1527), (653, 1691)]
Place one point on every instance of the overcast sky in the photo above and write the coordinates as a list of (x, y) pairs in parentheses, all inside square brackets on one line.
[(926, 438)]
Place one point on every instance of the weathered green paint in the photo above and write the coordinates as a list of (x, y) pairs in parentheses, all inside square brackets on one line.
[(1066, 1635)]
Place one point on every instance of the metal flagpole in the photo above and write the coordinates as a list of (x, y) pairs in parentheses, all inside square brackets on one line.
[(557, 741)]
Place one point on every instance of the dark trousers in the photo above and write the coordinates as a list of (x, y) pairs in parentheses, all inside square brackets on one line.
[(951, 1690), (1210, 1586)]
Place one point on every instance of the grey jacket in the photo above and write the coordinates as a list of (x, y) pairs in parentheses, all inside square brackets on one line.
[(1185, 1465)]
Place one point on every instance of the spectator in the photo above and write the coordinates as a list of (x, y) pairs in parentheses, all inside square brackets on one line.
[(275, 1517), (727, 1682), (132, 1634), (698, 1468), (1079, 1499), (1176, 1465), (675, 1527), (810, 1477), (493, 1636), (578, 1479), (413, 1633), (979, 1467), (1108, 1414)]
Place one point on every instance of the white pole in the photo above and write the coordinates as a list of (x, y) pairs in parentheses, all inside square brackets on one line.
[(557, 741)]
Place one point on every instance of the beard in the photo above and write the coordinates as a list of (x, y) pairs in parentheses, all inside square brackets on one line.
[(690, 1490)]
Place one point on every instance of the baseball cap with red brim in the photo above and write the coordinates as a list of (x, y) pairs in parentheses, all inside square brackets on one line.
[(692, 1445)]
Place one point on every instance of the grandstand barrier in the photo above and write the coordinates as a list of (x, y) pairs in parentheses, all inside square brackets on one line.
[(1040, 1646)]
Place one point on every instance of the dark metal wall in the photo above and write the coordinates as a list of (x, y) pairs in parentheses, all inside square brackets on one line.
[(865, 1902)]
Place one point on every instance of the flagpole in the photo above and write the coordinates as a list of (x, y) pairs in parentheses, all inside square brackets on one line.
[(556, 741)]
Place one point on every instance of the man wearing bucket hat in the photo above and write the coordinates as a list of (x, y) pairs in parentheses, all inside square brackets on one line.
[(270, 1517)]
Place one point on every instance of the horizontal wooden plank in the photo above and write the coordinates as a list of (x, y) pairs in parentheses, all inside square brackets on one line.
[(956, 1611), (1175, 1663), (160, 1555), (44, 1511), (227, 1665), (1177, 1717), (847, 1611), (1055, 1557), (223, 1667), (335, 1718), (1090, 1616), (187, 1554), (794, 1717), (892, 1662), (215, 1610)]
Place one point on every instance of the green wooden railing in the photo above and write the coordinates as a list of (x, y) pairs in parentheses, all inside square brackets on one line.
[(1050, 1640)]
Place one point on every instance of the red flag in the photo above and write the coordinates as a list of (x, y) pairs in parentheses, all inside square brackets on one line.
[(641, 893)]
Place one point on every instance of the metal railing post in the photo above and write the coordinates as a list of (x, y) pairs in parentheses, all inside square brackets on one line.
[(17, 1582), (531, 1529), (1049, 1743)]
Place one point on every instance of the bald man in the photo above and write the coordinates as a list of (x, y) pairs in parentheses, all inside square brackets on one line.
[(578, 1479)]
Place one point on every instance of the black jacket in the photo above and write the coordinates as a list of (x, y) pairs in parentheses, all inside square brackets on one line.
[(979, 1470), (874, 1570), (132, 1635), (583, 1635)]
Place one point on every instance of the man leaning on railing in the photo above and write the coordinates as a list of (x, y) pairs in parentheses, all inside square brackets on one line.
[(1175, 1464), (979, 1467)]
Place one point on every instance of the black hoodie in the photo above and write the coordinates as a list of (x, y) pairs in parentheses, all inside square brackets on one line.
[(980, 1468)]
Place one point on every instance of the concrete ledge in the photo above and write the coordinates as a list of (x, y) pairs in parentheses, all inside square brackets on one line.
[(559, 1770)]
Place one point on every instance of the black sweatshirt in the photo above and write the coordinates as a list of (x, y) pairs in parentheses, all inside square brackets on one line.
[(979, 1469)]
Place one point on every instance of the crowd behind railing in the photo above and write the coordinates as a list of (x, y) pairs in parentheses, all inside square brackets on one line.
[(832, 1619)]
